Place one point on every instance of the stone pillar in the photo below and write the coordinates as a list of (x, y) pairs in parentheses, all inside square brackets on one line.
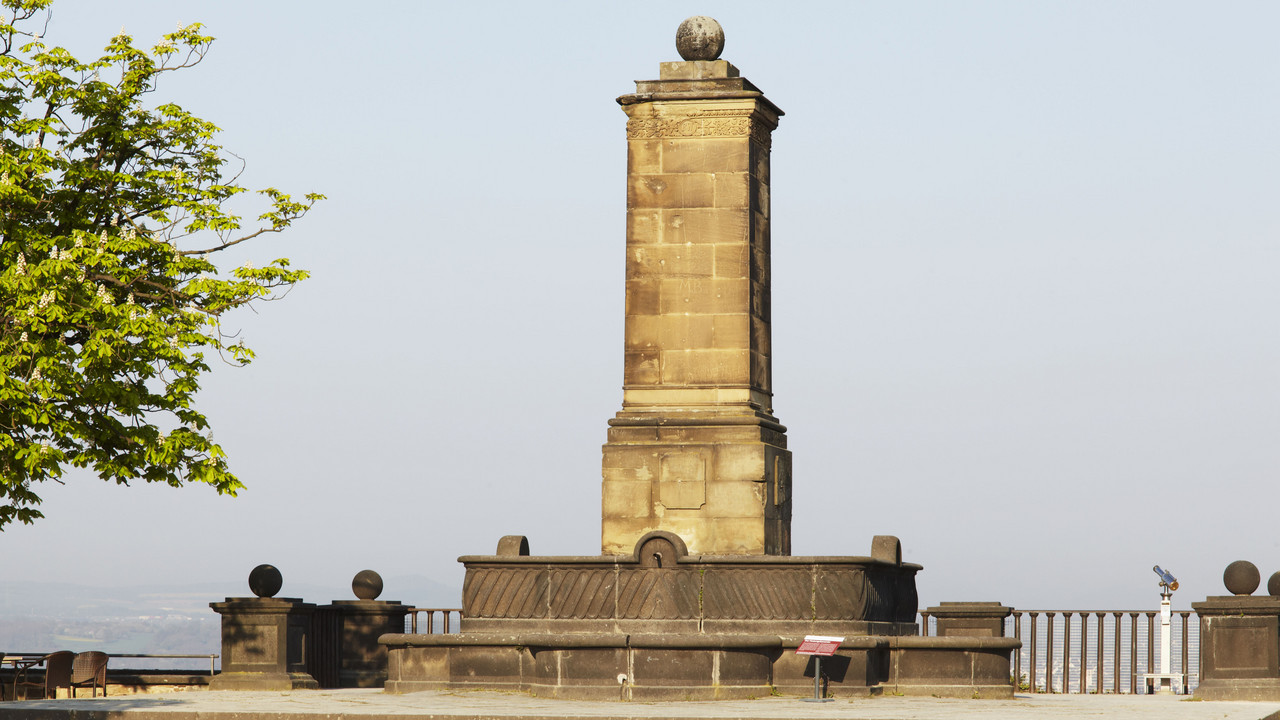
[(363, 661), (1239, 640), (696, 449), (264, 644), (970, 619), (264, 638)]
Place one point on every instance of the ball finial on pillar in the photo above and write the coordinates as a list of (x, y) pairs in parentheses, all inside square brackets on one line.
[(1241, 577), (367, 585), (265, 581), (700, 38)]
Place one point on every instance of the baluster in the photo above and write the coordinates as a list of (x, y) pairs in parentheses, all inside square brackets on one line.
[(1115, 660), (1102, 619), (1048, 646), (1084, 652), (1186, 673), (1017, 657), (1033, 671), (1066, 652), (1151, 644), (1133, 653), (924, 623)]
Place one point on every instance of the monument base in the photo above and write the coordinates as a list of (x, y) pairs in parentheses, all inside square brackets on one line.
[(1245, 689), (662, 625), (610, 666), (263, 681), (586, 666), (954, 666)]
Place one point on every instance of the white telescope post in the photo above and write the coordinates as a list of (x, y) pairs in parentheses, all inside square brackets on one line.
[(1168, 583), (1166, 640)]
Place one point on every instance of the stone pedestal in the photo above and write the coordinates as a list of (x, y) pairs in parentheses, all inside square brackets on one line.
[(1239, 648), (696, 449), (955, 666), (970, 619), (264, 644), (661, 624), (968, 655), (363, 660)]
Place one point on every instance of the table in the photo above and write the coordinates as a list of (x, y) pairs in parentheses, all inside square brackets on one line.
[(19, 662)]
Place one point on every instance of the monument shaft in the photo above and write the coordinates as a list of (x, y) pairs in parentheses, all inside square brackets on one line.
[(695, 449)]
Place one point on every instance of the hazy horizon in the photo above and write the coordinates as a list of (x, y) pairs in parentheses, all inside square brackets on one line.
[(1024, 288)]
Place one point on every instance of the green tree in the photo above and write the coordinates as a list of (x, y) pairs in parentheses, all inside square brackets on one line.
[(110, 308)]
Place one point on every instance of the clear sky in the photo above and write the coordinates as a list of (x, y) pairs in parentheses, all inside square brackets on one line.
[(1025, 293)]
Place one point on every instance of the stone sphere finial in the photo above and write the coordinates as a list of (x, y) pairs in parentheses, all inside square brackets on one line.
[(367, 585), (265, 581), (1273, 584), (1241, 577), (700, 38)]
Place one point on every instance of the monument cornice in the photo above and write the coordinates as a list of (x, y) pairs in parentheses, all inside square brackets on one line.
[(737, 562), (723, 122), (1237, 605), (664, 419)]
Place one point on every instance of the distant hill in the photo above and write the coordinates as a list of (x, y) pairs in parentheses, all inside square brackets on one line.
[(72, 601)]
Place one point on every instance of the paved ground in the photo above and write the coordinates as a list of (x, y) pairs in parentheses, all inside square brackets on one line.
[(374, 704)]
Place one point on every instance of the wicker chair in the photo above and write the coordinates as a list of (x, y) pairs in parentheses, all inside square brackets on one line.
[(57, 673), (89, 670)]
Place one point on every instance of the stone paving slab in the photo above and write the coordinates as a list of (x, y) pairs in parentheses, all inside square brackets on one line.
[(375, 704)]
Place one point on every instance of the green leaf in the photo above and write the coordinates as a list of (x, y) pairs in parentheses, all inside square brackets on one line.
[(111, 208)]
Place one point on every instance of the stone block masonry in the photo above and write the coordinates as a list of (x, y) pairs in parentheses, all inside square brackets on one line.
[(696, 449)]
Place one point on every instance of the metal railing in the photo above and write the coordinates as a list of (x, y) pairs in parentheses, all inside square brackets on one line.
[(1059, 656), (212, 658), (445, 615), (324, 646)]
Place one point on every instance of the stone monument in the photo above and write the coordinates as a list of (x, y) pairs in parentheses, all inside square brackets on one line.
[(695, 594), (696, 449)]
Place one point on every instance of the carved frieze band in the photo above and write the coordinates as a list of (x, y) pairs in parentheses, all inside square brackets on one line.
[(777, 593), (704, 123), (508, 593)]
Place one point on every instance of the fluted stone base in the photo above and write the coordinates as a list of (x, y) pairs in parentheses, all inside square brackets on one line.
[(660, 624)]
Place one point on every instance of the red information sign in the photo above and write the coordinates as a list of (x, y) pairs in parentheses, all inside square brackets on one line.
[(822, 645)]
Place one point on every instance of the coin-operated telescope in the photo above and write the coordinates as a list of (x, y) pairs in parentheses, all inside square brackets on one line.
[(1168, 582)]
